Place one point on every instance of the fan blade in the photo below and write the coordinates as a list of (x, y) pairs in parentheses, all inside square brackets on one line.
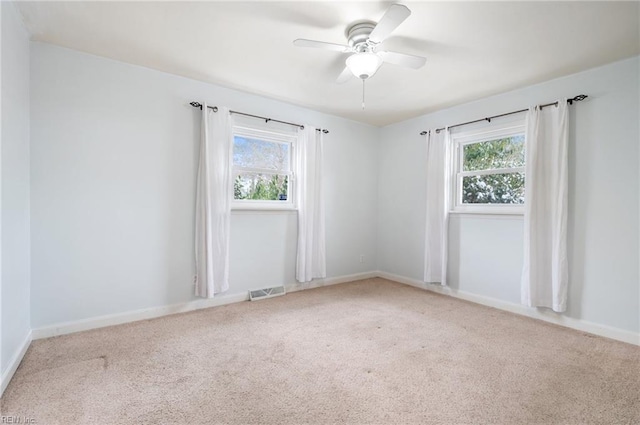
[(402, 59), (344, 76), (301, 42), (393, 17)]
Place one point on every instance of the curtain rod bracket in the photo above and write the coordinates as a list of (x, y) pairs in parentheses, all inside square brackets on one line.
[(577, 98), (199, 106)]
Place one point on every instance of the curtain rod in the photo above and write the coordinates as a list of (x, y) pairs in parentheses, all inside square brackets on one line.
[(215, 109), (577, 98)]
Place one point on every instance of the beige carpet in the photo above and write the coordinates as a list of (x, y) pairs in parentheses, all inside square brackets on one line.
[(366, 352)]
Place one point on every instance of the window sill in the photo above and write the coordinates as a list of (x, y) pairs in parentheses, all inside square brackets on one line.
[(263, 210), (517, 215)]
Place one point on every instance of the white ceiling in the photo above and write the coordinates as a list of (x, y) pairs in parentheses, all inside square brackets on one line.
[(474, 49)]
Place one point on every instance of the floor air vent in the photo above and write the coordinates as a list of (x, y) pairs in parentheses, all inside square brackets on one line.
[(260, 294)]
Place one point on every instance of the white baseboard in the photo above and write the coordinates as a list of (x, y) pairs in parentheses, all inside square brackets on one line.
[(318, 283), (150, 313), (545, 315), (153, 312), (15, 362), (134, 316)]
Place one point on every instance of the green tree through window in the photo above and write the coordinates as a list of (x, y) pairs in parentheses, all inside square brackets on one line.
[(261, 187), (494, 188)]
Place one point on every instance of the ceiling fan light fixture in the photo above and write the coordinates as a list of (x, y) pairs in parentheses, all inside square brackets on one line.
[(364, 65)]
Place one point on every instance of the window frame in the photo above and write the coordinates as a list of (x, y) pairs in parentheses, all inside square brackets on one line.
[(272, 136), (486, 134)]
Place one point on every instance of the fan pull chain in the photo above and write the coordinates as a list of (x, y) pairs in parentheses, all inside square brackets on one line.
[(363, 94)]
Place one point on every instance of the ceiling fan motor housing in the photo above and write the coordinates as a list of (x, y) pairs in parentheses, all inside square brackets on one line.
[(358, 35)]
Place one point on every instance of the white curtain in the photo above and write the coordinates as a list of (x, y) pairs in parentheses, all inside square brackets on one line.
[(545, 271), (310, 261), (213, 203), (438, 166)]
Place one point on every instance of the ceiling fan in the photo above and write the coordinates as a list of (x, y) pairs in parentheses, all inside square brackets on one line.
[(363, 41)]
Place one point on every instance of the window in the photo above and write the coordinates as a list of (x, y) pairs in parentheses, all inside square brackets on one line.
[(489, 170), (262, 176)]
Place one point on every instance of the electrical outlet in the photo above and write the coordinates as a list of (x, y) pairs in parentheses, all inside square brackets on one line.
[(362, 258)]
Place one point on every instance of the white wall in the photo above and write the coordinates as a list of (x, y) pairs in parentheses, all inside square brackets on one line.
[(114, 150), (14, 177), (486, 252)]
